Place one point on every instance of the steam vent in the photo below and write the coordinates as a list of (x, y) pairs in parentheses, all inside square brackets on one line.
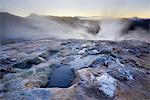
[(55, 69)]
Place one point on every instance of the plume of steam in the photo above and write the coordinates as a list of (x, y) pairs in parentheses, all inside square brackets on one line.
[(38, 27), (111, 29)]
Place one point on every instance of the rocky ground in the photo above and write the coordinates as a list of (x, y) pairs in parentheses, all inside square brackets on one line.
[(52, 69)]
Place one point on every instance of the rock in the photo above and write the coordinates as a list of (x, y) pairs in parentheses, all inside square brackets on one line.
[(87, 45), (5, 70), (28, 63), (96, 83), (31, 94), (123, 74), (44, 55), (107, 84), (5, 61), (101, 60), (75, 70), (83, 51)]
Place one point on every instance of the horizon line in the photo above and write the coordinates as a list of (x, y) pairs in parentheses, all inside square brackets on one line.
[(19, 15)]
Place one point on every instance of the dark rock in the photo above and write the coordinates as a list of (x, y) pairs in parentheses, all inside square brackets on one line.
[(123, 74), (52, 52), (4, 61), (27, 63), (102, 60), (44, 55), (98, 62)]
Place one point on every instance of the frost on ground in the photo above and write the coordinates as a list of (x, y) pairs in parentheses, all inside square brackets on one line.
[(107, 84)]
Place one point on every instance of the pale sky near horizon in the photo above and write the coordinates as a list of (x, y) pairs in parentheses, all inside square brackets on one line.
[(111, 8)]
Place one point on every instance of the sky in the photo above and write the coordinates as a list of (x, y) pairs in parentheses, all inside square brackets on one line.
[(109, 8)]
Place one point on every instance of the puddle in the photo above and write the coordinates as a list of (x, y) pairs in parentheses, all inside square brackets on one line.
[(62, 77)]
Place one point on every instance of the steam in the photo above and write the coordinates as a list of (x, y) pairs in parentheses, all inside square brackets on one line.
[(57, 29), (138, 34), (38, 27), (111, 29)]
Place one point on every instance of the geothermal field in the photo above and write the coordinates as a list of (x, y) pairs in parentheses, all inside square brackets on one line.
[(74, 58)]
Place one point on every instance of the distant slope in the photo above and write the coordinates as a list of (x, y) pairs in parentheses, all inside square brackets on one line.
[(136, 23)]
